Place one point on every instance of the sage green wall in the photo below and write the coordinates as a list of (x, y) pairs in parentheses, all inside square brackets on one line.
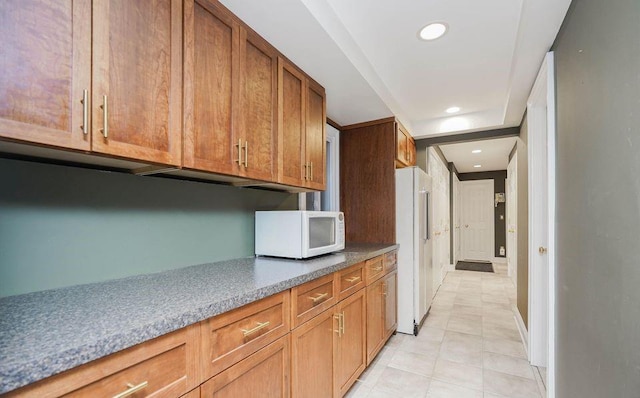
[(597, 63), (61, 226), (522, 287)]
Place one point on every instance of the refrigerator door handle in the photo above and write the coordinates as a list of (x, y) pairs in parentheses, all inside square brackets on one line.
[(426, 216), (425, 227)]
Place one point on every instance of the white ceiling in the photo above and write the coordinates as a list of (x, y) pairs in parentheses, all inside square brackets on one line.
[(367, 56), (494, 155)]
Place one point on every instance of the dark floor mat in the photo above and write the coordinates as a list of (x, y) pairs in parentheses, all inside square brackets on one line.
[(480, 266)]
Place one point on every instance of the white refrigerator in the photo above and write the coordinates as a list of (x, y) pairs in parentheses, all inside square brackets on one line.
[(415, 269)]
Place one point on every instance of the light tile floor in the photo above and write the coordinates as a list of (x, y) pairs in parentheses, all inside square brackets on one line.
[(469, 346)]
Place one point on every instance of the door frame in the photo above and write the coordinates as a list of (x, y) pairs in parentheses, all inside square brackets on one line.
[(512, 208), (541, 121), (492, 236)]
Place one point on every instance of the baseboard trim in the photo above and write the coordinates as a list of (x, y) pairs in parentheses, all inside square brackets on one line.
[(524, 334), (450, 267), (500, 260)]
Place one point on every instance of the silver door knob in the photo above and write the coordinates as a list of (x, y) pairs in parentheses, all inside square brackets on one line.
[(542, 250)]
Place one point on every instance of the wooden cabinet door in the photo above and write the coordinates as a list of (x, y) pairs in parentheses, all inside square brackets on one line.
[(264, 374), (211, 48), (375, 319), (411, 152), (291, 123), (351, 356), (256, 128), (312, 357), (390, 304), (137, 68), (402, 144), (45, 64), (316, 137)]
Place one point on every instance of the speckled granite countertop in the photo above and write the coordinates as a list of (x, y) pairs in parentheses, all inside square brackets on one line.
[(45, 333)]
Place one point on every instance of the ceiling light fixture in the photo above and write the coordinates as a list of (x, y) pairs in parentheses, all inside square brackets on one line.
[(433, 31), (453, 109), (476, 151), (477, 166)]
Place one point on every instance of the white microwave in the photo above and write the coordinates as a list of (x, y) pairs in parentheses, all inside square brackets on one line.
[(298, 233)]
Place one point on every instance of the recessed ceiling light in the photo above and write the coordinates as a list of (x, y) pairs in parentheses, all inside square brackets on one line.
[(476, 151), (453, 109), (477, 166), (433, 31)]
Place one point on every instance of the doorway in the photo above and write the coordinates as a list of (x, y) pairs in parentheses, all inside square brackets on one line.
[(477, 220), (541, 154)]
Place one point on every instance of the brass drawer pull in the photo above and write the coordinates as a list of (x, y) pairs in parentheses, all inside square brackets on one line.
[(261, 325), (318, 297), (352, 279), (131, 390), (376, 269)]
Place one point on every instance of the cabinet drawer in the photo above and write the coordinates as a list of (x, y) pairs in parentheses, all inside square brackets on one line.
[(390, 261), (350, 280), (374, 269), (232, 336), (162, 367), (311, 298)]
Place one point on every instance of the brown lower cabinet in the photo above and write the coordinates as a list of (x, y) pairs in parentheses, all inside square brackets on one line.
[(328, 352), (263, 374), (350, 355), (252, 351), (382, 313), (312, 356)]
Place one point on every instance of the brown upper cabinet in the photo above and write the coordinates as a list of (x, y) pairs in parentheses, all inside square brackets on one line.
[(45, 59), (257, 132), (405, 147), (181, 83), (211, 76), (103, 75), (301, 119), (230, 95)]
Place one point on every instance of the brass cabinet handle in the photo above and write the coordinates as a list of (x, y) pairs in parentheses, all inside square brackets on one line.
[(306, 171), (376, 269), (239, 145), (246, 154), (261, 325), (85, 111), (318, 297), (384, 289), (352, 279), (131, 390), (311, 171), (338, 317), (105, 113)]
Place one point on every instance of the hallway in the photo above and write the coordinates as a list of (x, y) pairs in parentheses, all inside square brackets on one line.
[(469, 347)]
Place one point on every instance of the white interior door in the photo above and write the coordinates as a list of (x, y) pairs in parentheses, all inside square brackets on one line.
[(477, 219), (541, 155), (512, 217)]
